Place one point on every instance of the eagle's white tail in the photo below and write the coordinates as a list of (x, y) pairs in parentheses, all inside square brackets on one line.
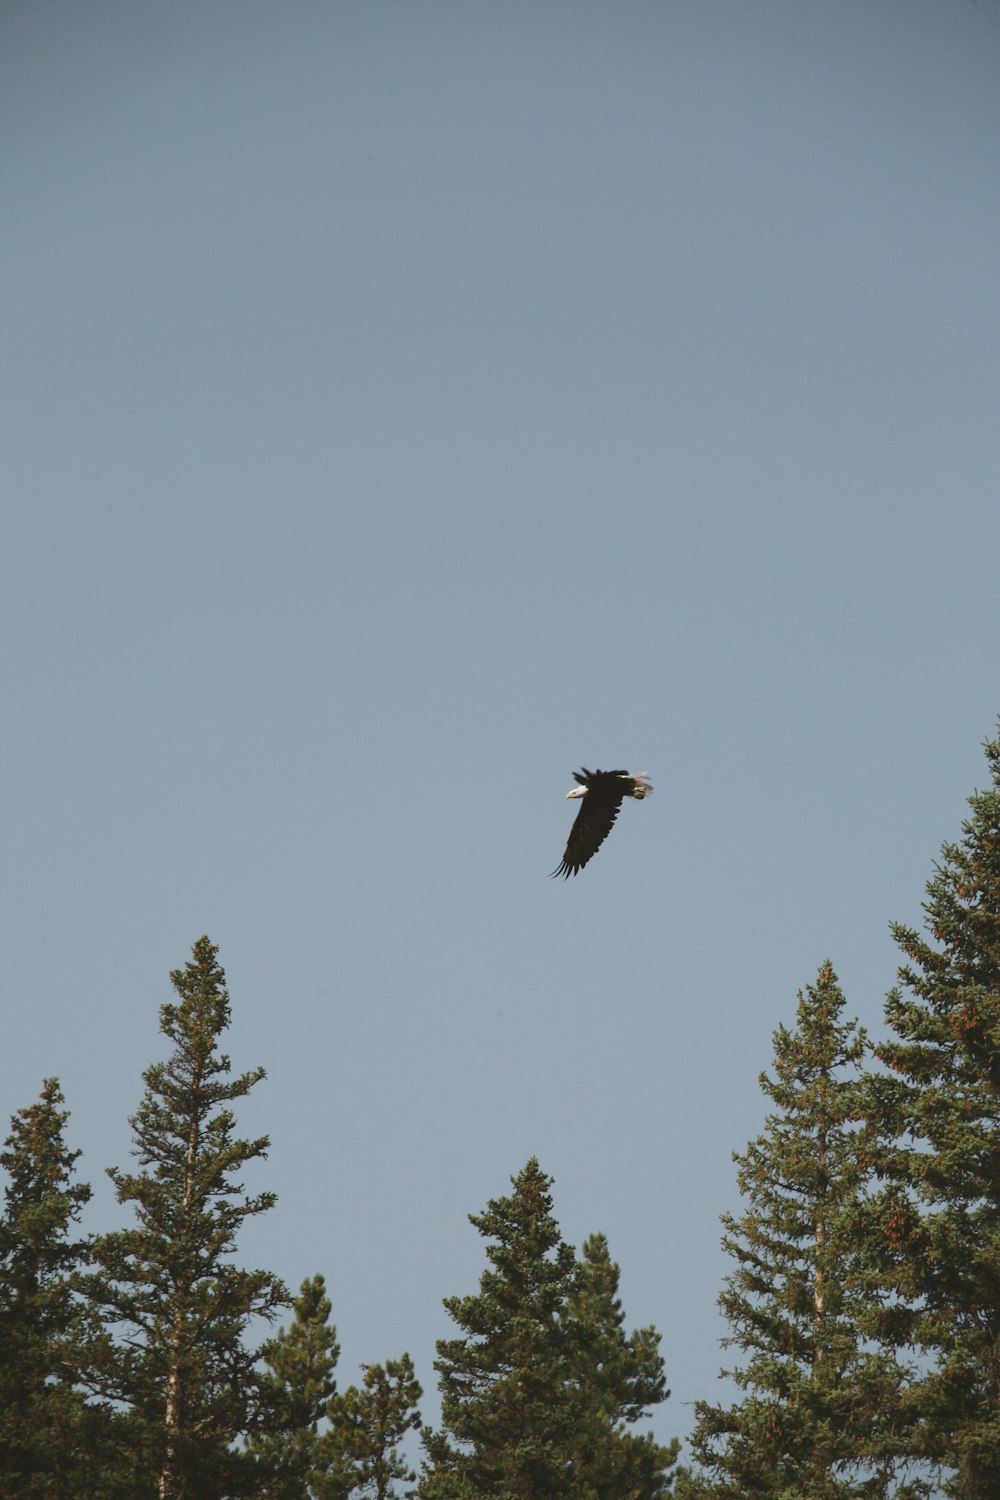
[(643, 785)]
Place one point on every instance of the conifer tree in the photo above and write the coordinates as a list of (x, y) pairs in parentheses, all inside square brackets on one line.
[(809, 1425), (367, 1425), (536, 1387), (936, 1220), (43, 1427), (506, 1381), (301, 1360), (175, 1309), (620, 1377)]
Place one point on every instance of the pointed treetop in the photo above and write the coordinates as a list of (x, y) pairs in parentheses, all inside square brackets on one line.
[(203, 1011)]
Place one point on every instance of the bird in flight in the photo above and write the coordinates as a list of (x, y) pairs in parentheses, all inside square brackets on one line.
[(602, 793)]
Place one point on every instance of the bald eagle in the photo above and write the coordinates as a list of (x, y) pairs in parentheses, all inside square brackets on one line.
[(602, 793)]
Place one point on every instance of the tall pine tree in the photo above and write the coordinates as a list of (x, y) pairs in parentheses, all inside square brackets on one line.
[(809, 1425), (45, 1434), (175, 1310), (540, 1384), (936, 1220)]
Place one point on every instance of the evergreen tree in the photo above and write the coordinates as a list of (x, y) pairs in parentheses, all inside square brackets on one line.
[(936, 1220), (43, 1427), (536, 1388), (175, 1309), (367, 1425), (506, 1382), (301, 1361), (620, 1377), (809, 1426)]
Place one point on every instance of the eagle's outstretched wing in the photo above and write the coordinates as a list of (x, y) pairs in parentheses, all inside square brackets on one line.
[(600, 798)]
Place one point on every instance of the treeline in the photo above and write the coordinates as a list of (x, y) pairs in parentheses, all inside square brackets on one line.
[(863, 1301), (128, 1366)]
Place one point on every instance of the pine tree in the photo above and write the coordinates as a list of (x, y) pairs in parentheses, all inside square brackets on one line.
[(620, 1377), (535, 1390), (367, 1426), (43, 1427), (809, 1426), (936, 1220), (506, 1382), (175, 1309), (301, 1361)]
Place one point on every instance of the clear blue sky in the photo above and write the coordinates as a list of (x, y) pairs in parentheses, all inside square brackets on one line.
[(404, 404)]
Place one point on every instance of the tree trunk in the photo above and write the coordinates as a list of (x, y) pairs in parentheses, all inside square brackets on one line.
[(172, 1410)]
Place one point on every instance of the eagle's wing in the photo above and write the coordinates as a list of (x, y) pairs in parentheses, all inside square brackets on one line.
[(591, 826)]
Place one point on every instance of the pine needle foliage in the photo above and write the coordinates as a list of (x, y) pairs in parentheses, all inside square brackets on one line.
[(808, 1424), (44, 1430), (298, 1387), (936, 1221), (620, 1377), (175, 1309), (538, 1387), (362, 1449)]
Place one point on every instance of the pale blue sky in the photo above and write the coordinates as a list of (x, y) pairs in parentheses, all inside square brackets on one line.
[(402, 405)]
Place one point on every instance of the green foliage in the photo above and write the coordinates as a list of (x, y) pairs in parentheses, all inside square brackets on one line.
[(367, 1424), (935, 1224), (41, 1414), (174, 1309), (537, 1391), (316, 1444), (300, 1384), (507, 1396), (618, 1378), (810, 1423)]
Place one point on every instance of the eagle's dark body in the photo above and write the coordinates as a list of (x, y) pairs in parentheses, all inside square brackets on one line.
[(601, 794)]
